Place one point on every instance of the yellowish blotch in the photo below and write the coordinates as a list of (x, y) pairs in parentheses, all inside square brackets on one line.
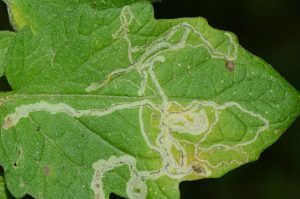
[(18, 18)]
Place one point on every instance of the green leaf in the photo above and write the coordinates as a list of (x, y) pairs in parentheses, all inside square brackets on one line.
[(38, 14), (113, 100), (5, 40)]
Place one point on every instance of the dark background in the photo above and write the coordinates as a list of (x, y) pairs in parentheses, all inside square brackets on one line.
[(271, 30)]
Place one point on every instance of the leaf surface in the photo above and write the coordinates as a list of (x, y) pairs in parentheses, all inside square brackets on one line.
[(5, 40), (38, 14), (108, 99)]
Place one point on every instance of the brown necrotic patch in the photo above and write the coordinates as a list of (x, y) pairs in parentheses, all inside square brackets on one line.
[(198, 169)]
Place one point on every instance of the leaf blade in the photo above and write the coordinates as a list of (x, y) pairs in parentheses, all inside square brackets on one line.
[(5, 41), (166, 101)]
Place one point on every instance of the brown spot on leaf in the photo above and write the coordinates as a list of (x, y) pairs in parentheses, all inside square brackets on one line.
[(197, 168), (230, 65), (47, 170)]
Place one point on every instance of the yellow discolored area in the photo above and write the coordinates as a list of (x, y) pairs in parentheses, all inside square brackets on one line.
[(173, 108), (18, 18)]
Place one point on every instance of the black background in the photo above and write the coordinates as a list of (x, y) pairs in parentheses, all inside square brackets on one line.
[(271, 30)]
